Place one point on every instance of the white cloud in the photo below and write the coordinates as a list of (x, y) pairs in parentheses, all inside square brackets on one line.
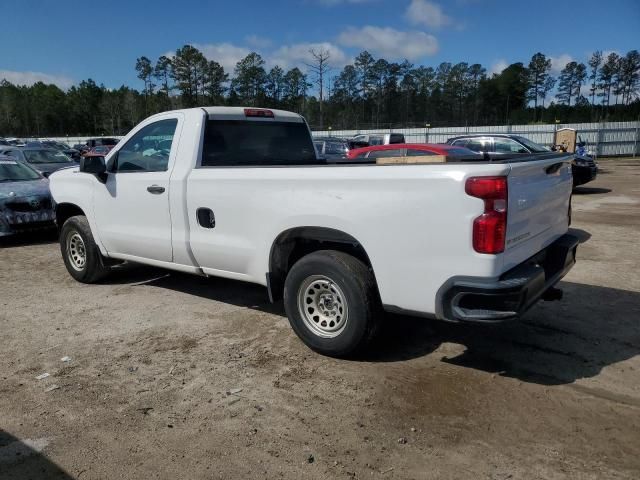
[(390, 43), (498, 66), (226, 54), (297, 55), (429, 14), (559, 62), (256, 41), (29, 78)]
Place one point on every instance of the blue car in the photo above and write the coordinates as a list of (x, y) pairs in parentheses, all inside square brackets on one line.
[(44, 160), (25, 200)]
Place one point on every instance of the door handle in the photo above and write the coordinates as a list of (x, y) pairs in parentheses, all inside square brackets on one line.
[(155, 189)]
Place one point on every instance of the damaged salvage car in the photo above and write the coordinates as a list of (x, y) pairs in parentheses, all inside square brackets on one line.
[(25, 200)]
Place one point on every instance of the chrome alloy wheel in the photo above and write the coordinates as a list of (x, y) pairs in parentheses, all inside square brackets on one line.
[(76, 251), (322, 306)]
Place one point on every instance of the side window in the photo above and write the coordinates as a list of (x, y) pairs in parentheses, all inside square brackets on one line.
[(460, 143), (476, 145), (506, 145), (385, 153), (412, 152), (335, 148), (396, 138), (149, 149)]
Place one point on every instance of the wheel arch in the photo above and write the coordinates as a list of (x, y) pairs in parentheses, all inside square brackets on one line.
[(66, 210), (294, 243)]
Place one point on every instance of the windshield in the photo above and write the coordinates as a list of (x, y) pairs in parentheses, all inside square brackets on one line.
[(534, 147), (12, 171), (45, 156)]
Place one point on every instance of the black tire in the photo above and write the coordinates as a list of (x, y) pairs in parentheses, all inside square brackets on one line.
[(93, 269), (355, 282)]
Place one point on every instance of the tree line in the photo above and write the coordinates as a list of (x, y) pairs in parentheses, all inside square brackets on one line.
[(369, 93)]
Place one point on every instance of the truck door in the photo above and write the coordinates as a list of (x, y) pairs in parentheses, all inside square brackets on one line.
[(132, 207)]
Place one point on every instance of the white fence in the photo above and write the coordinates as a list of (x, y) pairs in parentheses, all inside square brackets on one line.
[(607, 138)]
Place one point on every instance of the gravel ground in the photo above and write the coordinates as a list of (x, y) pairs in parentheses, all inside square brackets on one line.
[(174, 376)]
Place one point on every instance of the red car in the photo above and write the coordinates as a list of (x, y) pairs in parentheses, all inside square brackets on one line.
[(411, 150), (99, 151)]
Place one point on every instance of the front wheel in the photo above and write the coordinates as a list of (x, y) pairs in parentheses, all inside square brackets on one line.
[(79, 251), (332, 302)]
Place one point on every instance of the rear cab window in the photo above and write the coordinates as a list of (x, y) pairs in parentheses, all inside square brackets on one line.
[(255, 143)]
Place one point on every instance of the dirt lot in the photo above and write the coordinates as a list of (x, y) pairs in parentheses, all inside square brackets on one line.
[(157, 361)]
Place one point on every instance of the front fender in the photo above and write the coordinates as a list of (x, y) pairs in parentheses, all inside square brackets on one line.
[(71, 187)]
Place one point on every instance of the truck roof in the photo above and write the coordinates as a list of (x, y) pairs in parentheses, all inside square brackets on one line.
[(239, 113)]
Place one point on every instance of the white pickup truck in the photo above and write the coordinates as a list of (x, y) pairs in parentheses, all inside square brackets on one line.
[(240, 193)]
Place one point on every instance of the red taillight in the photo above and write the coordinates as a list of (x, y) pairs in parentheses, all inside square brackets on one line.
[(490, 228), (258, 112)]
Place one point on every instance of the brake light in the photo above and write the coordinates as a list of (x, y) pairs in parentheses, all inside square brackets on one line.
[(258, 112), (490, 228)]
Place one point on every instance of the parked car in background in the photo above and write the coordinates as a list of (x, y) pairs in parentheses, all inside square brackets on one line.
[(25, 200), (331, 148), (106, 141), (62, 147), (413, 150), (360, 141), (4, 142), (100, 150), (44, 160), (584, 169)]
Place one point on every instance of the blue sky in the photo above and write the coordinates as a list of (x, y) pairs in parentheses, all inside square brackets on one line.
[(65, 41)]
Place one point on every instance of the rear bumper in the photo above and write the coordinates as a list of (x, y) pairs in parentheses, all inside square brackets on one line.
[(490, 300)]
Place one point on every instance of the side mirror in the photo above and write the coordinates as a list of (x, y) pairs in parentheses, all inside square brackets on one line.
[(94, 166)]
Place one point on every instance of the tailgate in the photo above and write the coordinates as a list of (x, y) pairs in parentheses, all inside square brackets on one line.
[(538, 208)]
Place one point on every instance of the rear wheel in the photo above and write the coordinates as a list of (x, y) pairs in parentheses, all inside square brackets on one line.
[(79, 251), (332, 302)]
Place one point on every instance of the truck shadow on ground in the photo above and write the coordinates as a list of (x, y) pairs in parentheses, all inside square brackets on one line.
[(554, 343), (590, 190), (24, 459)]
